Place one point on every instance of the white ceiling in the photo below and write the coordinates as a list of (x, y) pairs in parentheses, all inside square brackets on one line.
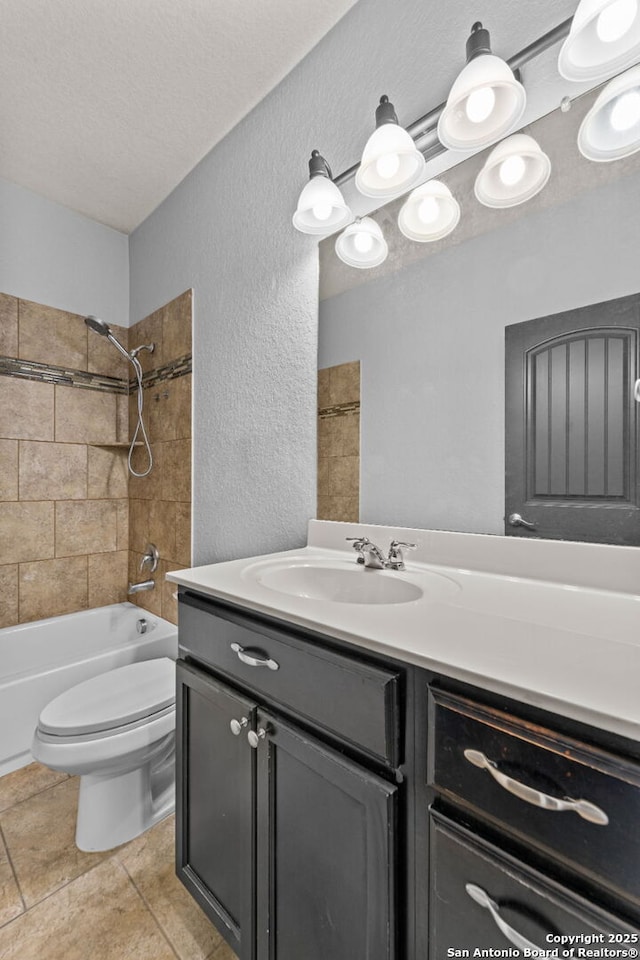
[(106, 105)]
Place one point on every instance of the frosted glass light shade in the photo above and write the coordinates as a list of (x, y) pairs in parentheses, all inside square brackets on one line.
[(514, 172), (611, 129), (429, 213), (604, 39), (390, 163), (321, 208), (485, 103), (362, 244)]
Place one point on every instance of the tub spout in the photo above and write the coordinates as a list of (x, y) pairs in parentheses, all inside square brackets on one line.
[(139, 587)]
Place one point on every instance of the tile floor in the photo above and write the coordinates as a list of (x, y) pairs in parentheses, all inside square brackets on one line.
[(61, 904)]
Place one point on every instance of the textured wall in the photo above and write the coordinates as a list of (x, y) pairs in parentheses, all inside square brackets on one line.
[(53, 255), (430, 339), (226, 232)]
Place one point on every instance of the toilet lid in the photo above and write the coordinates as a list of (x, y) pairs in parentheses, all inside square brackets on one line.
[(112, 699)]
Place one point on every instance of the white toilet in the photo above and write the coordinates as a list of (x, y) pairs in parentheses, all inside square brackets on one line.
[(117, 731)]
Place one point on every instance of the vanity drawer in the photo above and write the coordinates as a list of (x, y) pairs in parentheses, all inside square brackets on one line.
[(353, 700), (480, 897), (514, 773)]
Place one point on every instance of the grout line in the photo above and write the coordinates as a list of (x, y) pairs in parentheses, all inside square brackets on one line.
[(147, 906), (15, 875)]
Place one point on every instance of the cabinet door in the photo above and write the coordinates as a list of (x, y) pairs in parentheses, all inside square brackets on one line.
[(214, 804), (326, 852)]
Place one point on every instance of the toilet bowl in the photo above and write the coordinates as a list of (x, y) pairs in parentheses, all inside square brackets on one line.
[(117, 732)]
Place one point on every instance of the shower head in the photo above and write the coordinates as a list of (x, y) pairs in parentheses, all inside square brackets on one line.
[(98, 326)]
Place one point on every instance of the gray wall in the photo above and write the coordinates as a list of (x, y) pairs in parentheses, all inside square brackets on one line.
[(226, 231), (52, 255), (430, 339)]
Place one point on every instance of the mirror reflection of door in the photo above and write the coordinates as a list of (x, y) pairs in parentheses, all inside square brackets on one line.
[(571, 443)]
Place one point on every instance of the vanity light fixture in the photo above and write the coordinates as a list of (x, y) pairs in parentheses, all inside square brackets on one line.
[(391, 162), (429, 213), (515, 171), (604, 39), (611, 129), (362, 244), (486, 101), (321, 208)]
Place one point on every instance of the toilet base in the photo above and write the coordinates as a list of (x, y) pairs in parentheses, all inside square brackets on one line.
[(114, 808)]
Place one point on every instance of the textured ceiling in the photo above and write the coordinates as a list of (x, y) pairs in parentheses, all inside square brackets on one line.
[(106, 105)]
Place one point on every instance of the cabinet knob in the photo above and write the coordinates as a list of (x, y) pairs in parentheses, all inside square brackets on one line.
[(255, 736), (237, 726)]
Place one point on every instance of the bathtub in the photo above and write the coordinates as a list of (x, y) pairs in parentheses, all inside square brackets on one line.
[(39, 660)]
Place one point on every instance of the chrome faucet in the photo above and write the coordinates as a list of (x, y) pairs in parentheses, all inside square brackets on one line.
[(372, 556), (150, 559)]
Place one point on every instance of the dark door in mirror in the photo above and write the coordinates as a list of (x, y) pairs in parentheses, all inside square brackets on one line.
[(571, 425)]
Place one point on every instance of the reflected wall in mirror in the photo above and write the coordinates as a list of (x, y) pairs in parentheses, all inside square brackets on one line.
[(428, 325)]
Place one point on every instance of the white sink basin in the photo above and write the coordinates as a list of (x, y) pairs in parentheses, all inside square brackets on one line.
[(349, 583)]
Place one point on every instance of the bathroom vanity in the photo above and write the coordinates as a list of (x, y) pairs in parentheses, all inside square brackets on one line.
[(383, 783)]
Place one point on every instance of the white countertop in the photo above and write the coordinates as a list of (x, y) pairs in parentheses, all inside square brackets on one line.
[(543, 625)]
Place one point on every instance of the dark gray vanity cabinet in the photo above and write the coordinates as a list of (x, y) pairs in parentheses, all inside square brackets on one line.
[(287, 838)]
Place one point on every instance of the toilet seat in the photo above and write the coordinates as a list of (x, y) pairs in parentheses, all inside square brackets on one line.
[(127, 697)]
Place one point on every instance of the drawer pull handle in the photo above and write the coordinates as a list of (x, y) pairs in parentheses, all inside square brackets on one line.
[(254, 659), (588, 811), (482, 897)]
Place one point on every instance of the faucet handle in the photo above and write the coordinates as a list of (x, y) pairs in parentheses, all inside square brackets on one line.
[(150, 558), (359, 543), (396, 560)]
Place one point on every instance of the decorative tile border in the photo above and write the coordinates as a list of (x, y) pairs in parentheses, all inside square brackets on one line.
[(48, 373), (339, 410)]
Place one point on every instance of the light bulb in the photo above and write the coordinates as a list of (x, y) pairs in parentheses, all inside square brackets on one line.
[(616, 20), (363, 242), (387, 165), (429, 210), (625, 112), (512, 170), (480, 104), (322, 210)]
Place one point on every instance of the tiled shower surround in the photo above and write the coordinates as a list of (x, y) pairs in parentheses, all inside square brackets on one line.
[(64, 486), (339, 442)]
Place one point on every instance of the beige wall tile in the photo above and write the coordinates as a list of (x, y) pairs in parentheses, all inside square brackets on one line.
[(85, 416), (344, 509), (26, 531), (323, 476), (349, 442), (108, 477), (122, 524), (106, 359), (176, 327), (122, 418), (108, 573), (162, 526), (49, 588), (26, 409), (52, 471), (148, 330), (344, 476), (150, 600), (327, 434), (85, 526), (323, 388), (138, 525), (149, 487), (8, 326), (8, 596), (176, 470), (8, 469), (344, 382), (183, 534), (47, 335), (169, 406), (168, 590)]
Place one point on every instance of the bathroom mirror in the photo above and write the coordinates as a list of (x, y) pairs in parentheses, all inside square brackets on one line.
[(428, 327)]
